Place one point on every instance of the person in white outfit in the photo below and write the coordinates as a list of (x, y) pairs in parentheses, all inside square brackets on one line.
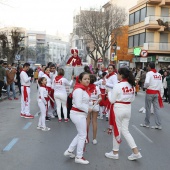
[(95, 99), (49, 85), (122, 95), (42, 103), (60, 94), (78, 115), (110, 82), (41, 72), (25, 92)]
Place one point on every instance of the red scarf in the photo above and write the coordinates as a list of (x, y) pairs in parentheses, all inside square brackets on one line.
[(57, 78), (154, 70), (112, 122), (47, 75), (91, 88), (25, 94), (80, 86), (111, 74)]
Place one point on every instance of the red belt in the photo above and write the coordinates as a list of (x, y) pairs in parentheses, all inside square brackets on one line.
[(123, 102), (75, 109)]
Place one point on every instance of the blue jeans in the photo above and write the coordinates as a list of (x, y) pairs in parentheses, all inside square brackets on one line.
[(12, 86)]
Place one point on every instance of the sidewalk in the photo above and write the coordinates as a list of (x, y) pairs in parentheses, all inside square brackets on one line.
[(5, 96)]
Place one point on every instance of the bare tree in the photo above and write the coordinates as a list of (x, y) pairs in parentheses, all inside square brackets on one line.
[(10, 49), (103, 27)]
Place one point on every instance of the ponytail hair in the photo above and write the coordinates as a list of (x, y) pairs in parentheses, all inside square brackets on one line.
[(127, 74)]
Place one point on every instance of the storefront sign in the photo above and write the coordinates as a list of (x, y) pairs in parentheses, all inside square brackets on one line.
[(137, 51), (163, 59), (143, 60)]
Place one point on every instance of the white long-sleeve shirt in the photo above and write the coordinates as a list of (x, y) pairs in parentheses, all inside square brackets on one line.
[(25, 80), (111, 81), (53, 75), (60, 86), (99, 84), (81, 101), (49, 83), (40, 74), (42, 93), (122, 92), (153, 81), (95, 94)]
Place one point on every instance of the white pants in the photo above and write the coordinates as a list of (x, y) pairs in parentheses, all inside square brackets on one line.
[(79, 140), (43, 109), (61, 98), (123, 114), (101, 110), (25, 106)]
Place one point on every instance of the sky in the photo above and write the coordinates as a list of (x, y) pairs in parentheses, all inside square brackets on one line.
[(53, 16)]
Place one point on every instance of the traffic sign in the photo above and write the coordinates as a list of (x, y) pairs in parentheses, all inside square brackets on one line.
[(17, 57), (144, 53), (137, 51)]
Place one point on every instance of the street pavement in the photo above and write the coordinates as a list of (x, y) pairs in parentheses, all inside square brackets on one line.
[(23, 147)]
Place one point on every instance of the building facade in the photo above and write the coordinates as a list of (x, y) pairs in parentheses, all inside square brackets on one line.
[(149, 32)]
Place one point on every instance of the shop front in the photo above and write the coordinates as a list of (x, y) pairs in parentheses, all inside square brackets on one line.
[(163, 61)]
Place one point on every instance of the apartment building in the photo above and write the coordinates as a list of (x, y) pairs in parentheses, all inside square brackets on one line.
[(149, 32)]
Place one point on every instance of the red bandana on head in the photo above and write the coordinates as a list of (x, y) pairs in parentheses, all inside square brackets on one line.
[(111, 74)]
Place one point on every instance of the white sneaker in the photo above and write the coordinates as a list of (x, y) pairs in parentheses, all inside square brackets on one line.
[(144, 111), (157, 127), (99, 117), (45, 129), (94, 141), (133, 156), (52, 116), (81, 160), (70, 154), (39, 127), (112, 155), (143, 125), (141, 109)]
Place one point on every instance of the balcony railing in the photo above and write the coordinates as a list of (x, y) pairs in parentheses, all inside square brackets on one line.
[(157, 46)]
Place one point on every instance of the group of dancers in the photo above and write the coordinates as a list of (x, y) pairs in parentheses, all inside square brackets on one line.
[(112, 94)]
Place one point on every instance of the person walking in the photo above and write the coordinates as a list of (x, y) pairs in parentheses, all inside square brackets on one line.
[(122, 95), (168, 85), (59, 85), (2, 78), (10, 77), (25, 92), (42, 103), (154, 93), (78, 115)]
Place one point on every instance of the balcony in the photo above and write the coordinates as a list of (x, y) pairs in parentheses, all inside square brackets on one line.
[(154, 1), (151, 22), (157, 47)]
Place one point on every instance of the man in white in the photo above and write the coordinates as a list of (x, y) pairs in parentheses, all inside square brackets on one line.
[(153, 83), (25, 92), (53, 72)]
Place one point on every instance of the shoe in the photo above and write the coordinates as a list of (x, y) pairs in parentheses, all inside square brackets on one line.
[(87, 141), (144, 111), (112, 155), (22, 115), (133, 156), (9, 98), (39, 127), (70, 154), (157, 127), (107, 119), (65, 120), (59, 120), (45, 129), (15, 98), (47, 118), (52, 116), (99, 117), (94, 141), (29, 117), (141, 109), (143, 125), (81, 160)]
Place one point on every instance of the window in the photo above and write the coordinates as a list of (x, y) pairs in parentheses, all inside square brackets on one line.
[(142, 14), (130, 42), (136, 40), (137, 14), (141, 39), (149, 37), (131, 19), (165, 12), (150, 11)]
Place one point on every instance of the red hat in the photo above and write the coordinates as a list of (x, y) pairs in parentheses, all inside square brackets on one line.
[(74, 51)]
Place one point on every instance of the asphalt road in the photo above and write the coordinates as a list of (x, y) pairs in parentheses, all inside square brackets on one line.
[(23, 147)]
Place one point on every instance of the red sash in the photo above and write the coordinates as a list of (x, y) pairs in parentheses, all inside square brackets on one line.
[(123, 102), (92, 88), (149, 91), (25, 93), (75, 109)]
